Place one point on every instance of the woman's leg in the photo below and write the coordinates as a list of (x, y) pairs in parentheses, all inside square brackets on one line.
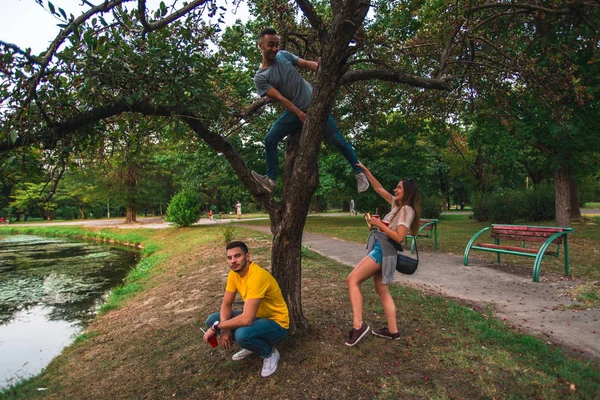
[(389, 307), (365, 269)]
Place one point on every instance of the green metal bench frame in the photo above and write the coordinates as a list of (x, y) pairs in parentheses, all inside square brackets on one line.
[(561, 234), (433, 232)]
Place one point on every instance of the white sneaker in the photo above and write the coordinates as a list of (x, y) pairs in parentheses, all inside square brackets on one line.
[(240, 355), (265, 181), (362, 183), (270, 364)]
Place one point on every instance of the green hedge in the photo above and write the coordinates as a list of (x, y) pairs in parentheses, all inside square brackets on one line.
[(508, 206)]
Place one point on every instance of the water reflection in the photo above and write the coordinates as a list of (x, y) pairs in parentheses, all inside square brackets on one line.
[(49, 289)]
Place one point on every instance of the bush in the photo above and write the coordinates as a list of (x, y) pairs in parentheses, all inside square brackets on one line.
[(184, 209), (499, 208), (539, 204), (431, 206), (481, 207), (505, 208), (228, 231), (508, 206)]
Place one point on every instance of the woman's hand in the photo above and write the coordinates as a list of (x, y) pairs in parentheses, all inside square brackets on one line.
[(376, 222), (361, 166)]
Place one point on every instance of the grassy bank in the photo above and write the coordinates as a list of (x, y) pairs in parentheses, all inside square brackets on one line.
[(149, 346)]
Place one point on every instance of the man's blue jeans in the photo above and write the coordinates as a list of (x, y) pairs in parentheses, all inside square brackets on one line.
[(287, 124), (258, 337)]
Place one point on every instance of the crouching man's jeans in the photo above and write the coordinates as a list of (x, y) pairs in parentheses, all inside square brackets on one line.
[(258, 337)]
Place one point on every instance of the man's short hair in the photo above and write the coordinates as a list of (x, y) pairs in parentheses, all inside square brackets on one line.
[(268, 31), (239, 244)]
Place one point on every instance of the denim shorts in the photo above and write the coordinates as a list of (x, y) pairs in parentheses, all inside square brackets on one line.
[(375, 253)]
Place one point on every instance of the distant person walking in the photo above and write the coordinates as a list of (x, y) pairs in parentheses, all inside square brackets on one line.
[(264, 320), (352, 212), (279, 80), (238, 209), (380, 261)]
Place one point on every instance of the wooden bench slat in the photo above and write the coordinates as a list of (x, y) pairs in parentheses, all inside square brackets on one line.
[(529, 228), (535, 239), (523, 233), (513, 248)]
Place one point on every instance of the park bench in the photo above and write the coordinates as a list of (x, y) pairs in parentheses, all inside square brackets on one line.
[(547, 235), (429, 230)]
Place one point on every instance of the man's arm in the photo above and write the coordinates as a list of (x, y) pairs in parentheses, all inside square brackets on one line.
[(309, 65), (226, 305), (245, 318), (226, 324), (275, 95)]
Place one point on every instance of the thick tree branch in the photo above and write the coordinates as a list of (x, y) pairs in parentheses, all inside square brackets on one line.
[(149, 27), (393, 76), (217, 142), (313, 18)]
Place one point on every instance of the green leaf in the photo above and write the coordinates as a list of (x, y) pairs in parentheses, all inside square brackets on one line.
[(163, 9), (63, 13), (51, 8), (14, 136)]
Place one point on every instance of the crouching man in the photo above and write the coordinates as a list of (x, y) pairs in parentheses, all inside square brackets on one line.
[(264, 320)]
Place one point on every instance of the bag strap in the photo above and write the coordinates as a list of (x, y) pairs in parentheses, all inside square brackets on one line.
[(416, 248)]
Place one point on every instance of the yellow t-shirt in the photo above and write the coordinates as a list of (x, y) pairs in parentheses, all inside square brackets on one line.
[(258, 283)]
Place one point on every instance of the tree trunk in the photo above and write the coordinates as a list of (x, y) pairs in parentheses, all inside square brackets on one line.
[(287, 225), (562, 187), (575, 209), (131, 202), (81, 213), (130, 215)]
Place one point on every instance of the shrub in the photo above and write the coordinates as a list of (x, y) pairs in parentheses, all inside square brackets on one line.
[(499, 207), (431, 206), (539, 204), (481, 207), (506, 207), (184, 209), (228, 232)]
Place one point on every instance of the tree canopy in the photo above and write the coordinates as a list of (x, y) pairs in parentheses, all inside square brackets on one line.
[(394, 73)]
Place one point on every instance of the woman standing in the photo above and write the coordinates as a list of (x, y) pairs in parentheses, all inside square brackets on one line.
[(380, 261)]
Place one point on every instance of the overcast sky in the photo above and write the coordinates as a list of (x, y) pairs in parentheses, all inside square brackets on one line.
[(26, 24)]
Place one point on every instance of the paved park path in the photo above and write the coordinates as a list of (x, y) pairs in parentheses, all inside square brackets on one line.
[(533, 308), (530, 307)]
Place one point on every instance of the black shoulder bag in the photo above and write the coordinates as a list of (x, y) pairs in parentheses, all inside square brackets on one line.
[(407, 265)]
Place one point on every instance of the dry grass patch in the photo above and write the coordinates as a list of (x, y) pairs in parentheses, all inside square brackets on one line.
[(151, 348)]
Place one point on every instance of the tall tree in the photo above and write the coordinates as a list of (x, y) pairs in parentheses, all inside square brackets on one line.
[(64, 99)]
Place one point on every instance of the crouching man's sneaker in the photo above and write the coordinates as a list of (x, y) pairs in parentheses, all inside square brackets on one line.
[(240, 355), (265, 182), (270, 364), (357, 334), (385, 333), (362, 183)]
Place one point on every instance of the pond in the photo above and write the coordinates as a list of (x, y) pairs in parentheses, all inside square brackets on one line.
[(50, 288)]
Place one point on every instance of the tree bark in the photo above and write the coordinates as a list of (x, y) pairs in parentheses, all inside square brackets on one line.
[(131, 202), (575, 209), (562, 191)]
